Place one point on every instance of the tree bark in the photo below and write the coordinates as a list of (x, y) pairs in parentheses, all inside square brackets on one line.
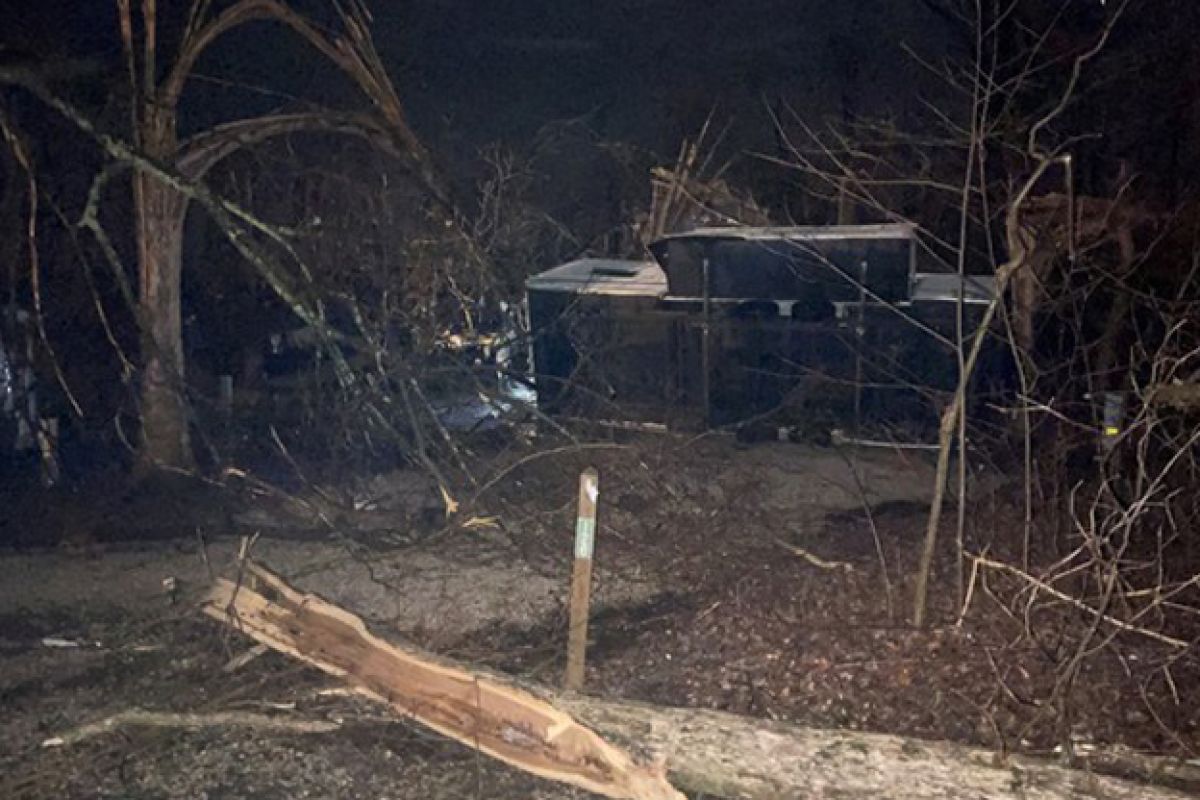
[(718, 754), (159, 213), (556, 735), (160, 209)]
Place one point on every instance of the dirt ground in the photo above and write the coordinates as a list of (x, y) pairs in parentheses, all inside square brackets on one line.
[(741, 577)]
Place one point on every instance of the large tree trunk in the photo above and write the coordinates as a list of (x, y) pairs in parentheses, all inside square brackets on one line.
[(159, 213), (709, 752), (716, 754), (159, 210)]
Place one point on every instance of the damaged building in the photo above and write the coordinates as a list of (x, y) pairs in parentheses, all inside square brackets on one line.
[(799, 327)]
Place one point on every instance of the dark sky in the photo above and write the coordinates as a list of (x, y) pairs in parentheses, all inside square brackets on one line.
[(648, 72), (650, 69), (473, 71)]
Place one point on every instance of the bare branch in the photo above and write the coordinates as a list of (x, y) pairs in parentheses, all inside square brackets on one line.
[(199, 154)]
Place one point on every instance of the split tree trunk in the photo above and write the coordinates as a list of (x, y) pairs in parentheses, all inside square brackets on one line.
[(557, 735), (159, 214), (493, 716), (159, 210)]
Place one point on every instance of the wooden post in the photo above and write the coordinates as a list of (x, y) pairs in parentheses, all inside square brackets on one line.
[(581, 578)]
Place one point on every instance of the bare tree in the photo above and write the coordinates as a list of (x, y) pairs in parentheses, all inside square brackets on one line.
[(157, 84)]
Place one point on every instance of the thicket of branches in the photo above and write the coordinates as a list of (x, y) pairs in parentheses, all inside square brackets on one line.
[(1096, 300)]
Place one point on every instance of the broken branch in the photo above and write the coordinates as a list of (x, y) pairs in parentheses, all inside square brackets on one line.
[(709, 752), (137, 718), (482, 712), (1041, 585), (813, 559)]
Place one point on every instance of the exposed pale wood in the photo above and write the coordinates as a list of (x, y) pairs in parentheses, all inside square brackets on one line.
[(241, 660), (501, 720), (709, 752), (814, 559)]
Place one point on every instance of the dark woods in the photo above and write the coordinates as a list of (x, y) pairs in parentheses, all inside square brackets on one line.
[(290, 263)]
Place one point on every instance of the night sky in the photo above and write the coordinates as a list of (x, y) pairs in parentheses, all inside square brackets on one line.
[(647, 71)]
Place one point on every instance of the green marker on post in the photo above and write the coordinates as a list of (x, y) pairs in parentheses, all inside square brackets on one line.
[(581, 578)]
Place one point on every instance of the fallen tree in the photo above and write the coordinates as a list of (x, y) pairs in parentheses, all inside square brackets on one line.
[(493, 716), (557, 735)]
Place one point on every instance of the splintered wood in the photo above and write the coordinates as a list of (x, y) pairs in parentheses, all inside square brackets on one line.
[(709, 752), (500, 720)]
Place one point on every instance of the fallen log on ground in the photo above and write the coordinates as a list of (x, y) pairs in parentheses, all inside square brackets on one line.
[(535, 728), (493, 716), (724, 755)]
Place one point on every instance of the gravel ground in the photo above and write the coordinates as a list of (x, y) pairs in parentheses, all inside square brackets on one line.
[(700, 600)]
